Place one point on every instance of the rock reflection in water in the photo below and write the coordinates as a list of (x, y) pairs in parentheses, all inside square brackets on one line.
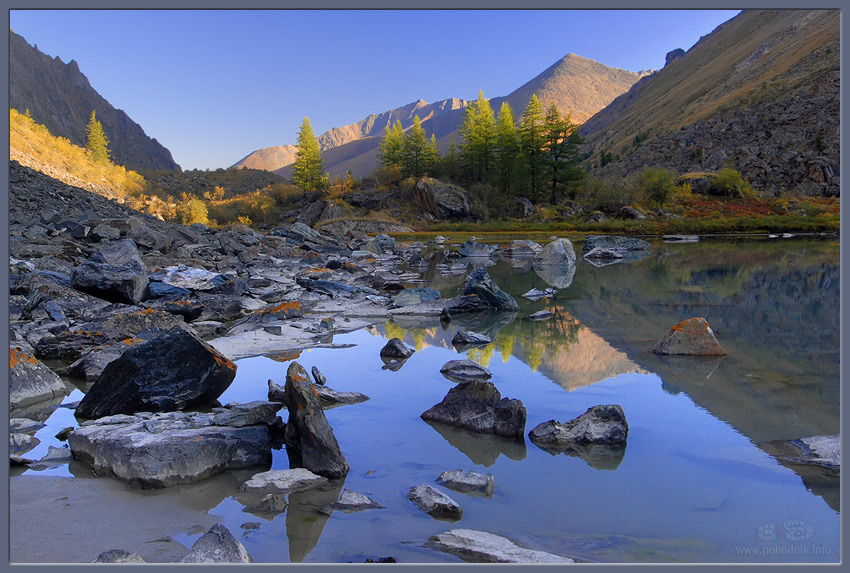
[(304, 521), (598, 456), (558, 276), (483, 449), (686, 370)]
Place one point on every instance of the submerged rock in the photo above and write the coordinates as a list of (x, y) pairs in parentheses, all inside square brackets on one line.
[(483, 547), (468, 482), (161, 450), (480, 284), (598, 425), (351, 502), (30, 381), (472, 248), (173, 371), (521, 249), (823, 451), (692, 337), (271, 503), (308, 433), (119, 556), (540, 315), (435, 503), (464, 371), (217, 546), (478, 406)]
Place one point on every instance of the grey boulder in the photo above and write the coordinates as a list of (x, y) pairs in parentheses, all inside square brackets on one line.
[(115, 273), (161, 450), (119, 556), (464, 371), (30, 381), (435, 503), (351, 502), (397, 350), (605, 424), (217, 546), (480, 284), (283, 482), (479, 407), (468, 482)]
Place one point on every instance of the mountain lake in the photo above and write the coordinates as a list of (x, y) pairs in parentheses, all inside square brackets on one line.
[(695, 482)]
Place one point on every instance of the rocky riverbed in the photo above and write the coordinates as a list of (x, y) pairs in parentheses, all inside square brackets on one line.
[(149, 318)]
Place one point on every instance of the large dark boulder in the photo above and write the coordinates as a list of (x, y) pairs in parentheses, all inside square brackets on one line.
[(397, 350), (30, 381), (442, 200), (115, 273), (308, 433), (175, 370), (479, 283), (478, 406)]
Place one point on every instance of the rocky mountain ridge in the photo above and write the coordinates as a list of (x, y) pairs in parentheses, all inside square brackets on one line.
[(580, 85), (60, 97)]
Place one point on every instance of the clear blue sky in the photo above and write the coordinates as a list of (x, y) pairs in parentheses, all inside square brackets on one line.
[(213, 86)]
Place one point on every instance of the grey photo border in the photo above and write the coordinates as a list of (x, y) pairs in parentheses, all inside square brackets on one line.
[(383, 4)]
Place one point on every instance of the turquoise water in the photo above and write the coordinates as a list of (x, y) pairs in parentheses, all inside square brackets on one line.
[(693, 485)]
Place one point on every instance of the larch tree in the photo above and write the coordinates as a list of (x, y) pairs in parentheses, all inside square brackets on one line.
[(507, 148), (413, 149), (562, 142), (479, 139), (96, 142), (390, 148), (308, 171), (531, 136)]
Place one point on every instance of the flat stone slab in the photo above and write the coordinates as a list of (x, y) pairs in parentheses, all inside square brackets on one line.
[(468, 482), (161, 450), (283, 481), (482, 547), (435, 503)]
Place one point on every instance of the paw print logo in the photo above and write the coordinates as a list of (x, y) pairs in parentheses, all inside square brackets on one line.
[(796, 530), (767, 531)]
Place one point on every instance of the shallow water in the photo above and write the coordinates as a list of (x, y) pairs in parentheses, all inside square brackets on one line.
[(692, 485)]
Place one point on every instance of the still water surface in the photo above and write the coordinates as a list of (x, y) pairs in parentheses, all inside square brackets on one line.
[(693, 484)]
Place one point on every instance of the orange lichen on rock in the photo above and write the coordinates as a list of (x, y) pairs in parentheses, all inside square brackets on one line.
[(129, 341), (223, 361), (18, 356)]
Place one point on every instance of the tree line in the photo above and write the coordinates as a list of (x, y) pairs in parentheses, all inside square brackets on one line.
[(536, 157)]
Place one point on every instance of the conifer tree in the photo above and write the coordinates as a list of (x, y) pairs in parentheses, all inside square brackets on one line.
[(390, 148), (308, 171), (449, 167), (507, 148), (413, 149), (562, 151), (96, 142), (431, 157), (531, 134), (479, 139)]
